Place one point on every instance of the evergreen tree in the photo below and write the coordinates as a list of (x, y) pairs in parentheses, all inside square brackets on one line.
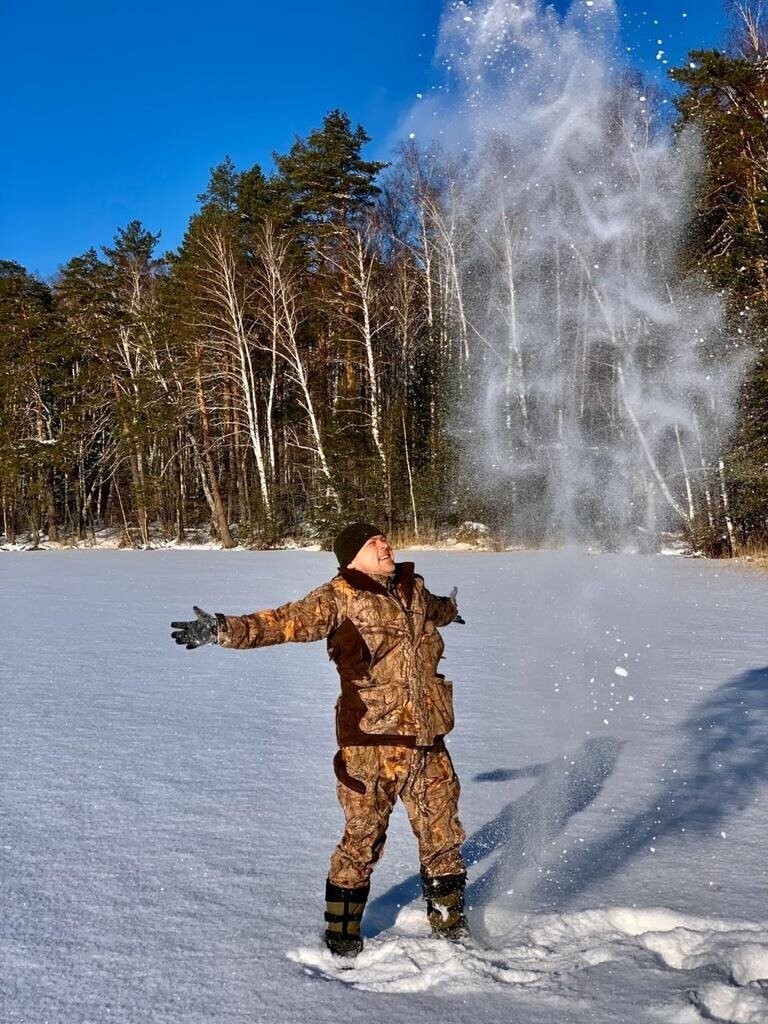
[(726, 97), (223, 188), (31, 365), (325, 177)]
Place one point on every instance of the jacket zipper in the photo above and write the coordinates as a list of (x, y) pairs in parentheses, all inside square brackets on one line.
[(406, 612), (418, 692)]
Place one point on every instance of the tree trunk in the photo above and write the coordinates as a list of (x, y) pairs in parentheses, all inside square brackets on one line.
[(218, 512)]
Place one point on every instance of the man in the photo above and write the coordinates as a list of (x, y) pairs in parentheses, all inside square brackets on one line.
[(381, 624)]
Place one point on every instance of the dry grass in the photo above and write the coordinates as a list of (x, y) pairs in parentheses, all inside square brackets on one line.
[(755, 554), (453, 539)]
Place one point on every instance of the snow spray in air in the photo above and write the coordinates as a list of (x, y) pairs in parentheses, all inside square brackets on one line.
[(595, 383)]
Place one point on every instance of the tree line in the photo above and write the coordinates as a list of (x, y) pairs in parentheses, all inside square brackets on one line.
[(298, 360), (273, 375)]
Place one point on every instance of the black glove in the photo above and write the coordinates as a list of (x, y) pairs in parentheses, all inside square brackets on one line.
[(457, 617), (203, 630)]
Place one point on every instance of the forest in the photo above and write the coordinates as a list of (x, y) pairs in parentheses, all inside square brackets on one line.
[(307, 355)]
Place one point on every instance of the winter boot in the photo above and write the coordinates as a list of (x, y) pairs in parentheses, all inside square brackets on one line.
[(445, 905), (343, 913)]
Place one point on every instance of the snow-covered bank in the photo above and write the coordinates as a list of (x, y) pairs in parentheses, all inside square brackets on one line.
[(469, 536), (112, 543), (115, 540), (166, 816)]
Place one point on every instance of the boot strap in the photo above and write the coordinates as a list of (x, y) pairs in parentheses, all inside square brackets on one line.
[(441, 886), (344, 910)]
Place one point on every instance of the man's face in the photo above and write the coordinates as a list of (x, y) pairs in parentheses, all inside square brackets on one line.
[(375, 556)]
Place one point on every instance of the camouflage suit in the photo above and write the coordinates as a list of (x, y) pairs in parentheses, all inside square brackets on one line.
[(391, 716)]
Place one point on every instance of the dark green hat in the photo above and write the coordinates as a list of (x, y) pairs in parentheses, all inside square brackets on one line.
[(351, 539)]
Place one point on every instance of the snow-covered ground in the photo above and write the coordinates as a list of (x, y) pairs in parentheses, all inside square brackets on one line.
[(166, 816)]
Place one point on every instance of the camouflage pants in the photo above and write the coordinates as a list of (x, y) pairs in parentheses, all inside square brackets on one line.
[(370, 779)]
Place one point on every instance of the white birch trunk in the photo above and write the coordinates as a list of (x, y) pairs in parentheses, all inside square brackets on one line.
[(225, 293), (280, 295)]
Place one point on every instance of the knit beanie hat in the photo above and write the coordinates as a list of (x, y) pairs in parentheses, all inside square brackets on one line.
[(351, 539)]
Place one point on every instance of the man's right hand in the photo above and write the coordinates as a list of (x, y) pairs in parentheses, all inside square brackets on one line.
[(201, 631)]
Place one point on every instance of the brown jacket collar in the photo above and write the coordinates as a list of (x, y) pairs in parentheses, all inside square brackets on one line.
[(362, 581)]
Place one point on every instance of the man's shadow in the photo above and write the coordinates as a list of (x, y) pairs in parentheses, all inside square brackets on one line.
[(517, 833), (722, 762)]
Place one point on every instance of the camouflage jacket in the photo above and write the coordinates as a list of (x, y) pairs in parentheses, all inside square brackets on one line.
[(386, 647)]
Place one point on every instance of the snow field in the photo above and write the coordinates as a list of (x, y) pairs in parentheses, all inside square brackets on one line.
[(166, 817)]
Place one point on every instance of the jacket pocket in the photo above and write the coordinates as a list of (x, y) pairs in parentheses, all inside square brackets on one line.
[(383, 709), (441, 705)]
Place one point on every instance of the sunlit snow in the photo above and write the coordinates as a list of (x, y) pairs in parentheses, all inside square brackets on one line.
[(167, 816)]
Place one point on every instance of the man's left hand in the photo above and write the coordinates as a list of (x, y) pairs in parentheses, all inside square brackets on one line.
[(457, 617)]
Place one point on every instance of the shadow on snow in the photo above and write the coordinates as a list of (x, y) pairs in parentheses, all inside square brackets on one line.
[(723, 760), (521, 827)]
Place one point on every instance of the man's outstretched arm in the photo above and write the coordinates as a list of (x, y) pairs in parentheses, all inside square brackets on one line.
[(310, 618), (442, 610)]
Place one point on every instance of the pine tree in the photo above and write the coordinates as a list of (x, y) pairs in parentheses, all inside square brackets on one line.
[(726, 97), (30, 371), (325, 177)]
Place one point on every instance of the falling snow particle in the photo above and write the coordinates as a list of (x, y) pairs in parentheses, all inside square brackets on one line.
[(621, 671)]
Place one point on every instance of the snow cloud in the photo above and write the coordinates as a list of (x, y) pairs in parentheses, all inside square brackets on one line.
[(597, 379)]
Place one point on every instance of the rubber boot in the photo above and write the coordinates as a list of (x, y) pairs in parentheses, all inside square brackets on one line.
[(343, 914), (445, 905)]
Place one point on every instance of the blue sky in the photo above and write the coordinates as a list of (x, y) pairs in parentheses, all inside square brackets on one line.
[(117, 111)]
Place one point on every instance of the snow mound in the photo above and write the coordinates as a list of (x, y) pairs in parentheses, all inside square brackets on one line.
[(539, 950), (720, 1002), (405, 965)]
